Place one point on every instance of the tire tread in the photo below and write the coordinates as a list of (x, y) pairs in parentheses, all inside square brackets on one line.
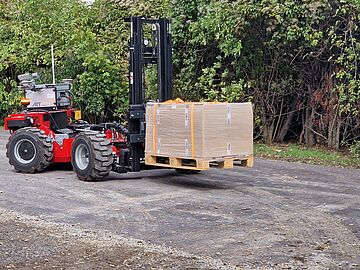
[(47, 147), (103, 159)]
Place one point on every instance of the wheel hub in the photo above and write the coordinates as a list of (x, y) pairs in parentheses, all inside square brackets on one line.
[(25, 151), (82, 157)]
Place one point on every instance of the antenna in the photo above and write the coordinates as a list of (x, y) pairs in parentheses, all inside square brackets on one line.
[(53, 63)]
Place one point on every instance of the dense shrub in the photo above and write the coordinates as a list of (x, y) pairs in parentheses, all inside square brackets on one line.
[(355, 149)]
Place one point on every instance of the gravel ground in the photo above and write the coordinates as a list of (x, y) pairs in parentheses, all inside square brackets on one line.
[(277, 215), (30, 243)]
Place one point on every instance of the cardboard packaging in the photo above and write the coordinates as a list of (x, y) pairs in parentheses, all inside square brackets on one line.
[(199, 130)]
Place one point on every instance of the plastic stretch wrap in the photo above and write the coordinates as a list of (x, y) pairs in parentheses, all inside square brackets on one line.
[(199, 130)]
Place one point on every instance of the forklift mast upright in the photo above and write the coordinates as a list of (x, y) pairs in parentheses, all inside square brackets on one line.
[(143, 51)]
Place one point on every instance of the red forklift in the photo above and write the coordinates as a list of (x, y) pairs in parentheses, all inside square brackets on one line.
[(49, 130)]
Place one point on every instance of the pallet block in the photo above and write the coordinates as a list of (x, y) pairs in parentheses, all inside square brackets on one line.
[(197, 163)]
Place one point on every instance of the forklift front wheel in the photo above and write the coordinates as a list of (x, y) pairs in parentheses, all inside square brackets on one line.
[(91, 156)]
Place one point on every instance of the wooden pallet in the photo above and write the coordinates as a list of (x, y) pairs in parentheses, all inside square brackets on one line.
[(197, 163)]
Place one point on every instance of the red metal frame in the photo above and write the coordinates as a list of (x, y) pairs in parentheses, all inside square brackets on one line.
[(38, 118), (117, 139), (62, 153)]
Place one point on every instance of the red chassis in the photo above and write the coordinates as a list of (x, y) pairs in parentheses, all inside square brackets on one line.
[(49, 121)]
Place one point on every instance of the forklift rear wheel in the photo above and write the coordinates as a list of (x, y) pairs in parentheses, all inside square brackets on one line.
[(29, 150), (91, 156)]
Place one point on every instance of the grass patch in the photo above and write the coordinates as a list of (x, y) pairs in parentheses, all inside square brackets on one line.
[(298, 153)]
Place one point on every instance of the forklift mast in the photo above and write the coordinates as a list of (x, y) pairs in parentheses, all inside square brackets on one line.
[(143, 51)]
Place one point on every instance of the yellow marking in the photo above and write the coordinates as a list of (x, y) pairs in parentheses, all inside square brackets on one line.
[(77, 115)]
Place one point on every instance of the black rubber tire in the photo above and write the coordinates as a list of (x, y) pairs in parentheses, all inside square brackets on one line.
[(43, 150), (99, 154), (187, 171)]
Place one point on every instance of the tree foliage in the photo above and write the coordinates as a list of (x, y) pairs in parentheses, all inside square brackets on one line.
[(297, 61)]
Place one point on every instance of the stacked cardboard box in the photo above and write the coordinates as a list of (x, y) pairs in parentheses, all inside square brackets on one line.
[(199, 130)]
